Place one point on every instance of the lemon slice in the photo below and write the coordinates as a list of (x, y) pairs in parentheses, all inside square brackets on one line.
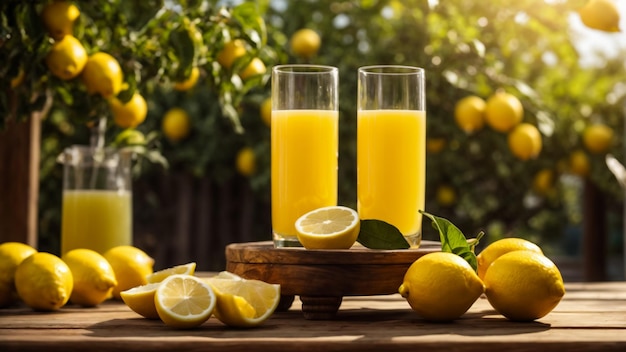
[(184, 301), (141, 300), (334, 227), (158, 276), (241, 302)]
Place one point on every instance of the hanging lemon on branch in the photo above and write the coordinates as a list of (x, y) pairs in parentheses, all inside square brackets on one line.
[(99, 62)]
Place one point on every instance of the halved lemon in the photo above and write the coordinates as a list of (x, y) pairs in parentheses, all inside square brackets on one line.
[(334, 227), (184, 301), (158, 276), (141, 300), (241, 302)]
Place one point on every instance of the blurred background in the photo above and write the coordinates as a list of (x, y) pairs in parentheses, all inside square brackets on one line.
[(569, 75)]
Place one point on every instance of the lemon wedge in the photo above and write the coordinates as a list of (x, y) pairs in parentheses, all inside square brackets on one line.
[(158, 276), (141, 300), (184, 301), (241, 302), (333, 227)]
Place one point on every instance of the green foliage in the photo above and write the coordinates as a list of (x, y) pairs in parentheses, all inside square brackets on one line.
[(476, 48)]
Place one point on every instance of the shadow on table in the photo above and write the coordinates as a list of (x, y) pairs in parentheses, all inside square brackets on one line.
[(349, 324)]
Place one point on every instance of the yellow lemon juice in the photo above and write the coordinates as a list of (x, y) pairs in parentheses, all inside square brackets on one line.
[(391, 167), (304, 147), (96, 219)]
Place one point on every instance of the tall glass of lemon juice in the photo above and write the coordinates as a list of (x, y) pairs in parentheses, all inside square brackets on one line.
[(391, 139), (304, 145), (97, 198)]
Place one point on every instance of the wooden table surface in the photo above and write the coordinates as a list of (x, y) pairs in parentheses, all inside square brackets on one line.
[(591, 317)]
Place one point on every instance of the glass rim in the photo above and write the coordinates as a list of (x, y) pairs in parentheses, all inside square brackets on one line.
[(304, 69), (391, 70)]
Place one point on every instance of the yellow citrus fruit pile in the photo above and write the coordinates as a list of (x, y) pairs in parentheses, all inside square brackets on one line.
[(519, 281), (44, 281), (182, 300)]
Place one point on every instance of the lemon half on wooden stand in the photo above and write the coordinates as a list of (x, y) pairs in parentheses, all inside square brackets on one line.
[(334, 227)]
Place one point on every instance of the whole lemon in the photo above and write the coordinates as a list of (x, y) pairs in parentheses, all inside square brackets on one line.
[(190, 82), (441, 286), (445, 195), (131, 266), (11, 255), (266, 111), (525, 141), (176, 124), (59, 17), (579, 163), (129, 114), (67, 58), (469, 113), (44, 282), (245, 161), (94, 278), (503, 111), (103, 75), (130, 136), (435, 145), (495, 249), (523, 285), (305, 43), (602, 15), (256, 67), (543, 182), (230, 52), (598, 138)]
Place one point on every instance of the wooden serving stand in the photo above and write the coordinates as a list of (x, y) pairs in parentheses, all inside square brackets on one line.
[(322, 277)]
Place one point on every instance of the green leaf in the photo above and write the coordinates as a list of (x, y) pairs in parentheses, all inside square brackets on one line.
[(453, 240), (378, 234)]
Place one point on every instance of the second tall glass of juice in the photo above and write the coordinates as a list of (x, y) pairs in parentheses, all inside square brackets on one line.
[(391, 137), (304, 144)]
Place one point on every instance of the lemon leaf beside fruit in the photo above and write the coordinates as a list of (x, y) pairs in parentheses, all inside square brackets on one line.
[(454, 241), (378, 234)]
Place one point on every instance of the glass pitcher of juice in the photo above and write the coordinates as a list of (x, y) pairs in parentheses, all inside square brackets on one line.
[(97, 198)]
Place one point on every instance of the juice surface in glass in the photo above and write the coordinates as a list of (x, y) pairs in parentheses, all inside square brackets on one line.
[(391, 167), (304, 165), (96, 219)]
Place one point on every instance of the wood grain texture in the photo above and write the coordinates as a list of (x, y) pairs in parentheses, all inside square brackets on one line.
[(591, 317), (357, 271)]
